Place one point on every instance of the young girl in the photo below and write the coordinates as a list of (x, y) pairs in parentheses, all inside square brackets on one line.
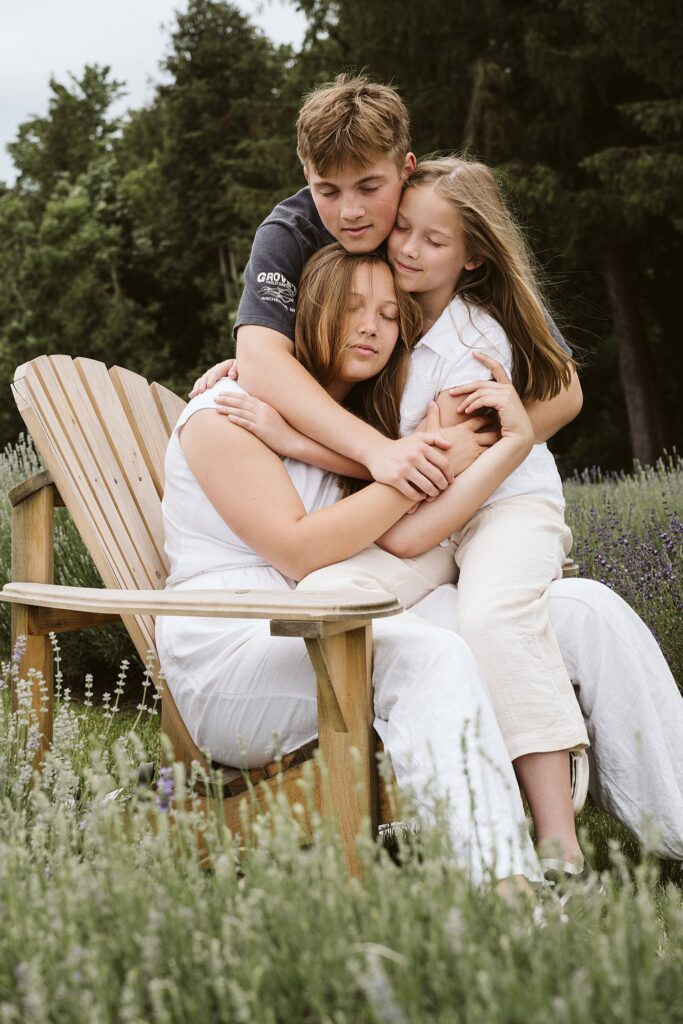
[(457, 249)]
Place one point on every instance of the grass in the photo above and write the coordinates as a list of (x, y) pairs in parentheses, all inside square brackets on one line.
[(108, 915)]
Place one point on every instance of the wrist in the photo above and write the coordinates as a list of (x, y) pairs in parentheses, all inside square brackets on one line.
[(292, 445), (366, 445), (518, 445)]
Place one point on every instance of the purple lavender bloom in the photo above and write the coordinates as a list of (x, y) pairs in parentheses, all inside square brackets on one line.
[(165, 788)]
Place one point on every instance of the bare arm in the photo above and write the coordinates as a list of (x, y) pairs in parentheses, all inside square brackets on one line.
[(550, 416), (266, 423), (546, 417), (268, 369), (259, 502), (434, 521)]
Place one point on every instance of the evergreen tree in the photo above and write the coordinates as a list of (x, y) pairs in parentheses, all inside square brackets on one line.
[(580, 105)]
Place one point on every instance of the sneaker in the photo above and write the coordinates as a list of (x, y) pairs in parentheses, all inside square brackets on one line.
[(578, 773), (567, 879)]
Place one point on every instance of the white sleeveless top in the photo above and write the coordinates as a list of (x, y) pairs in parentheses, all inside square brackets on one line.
[(198, 539)]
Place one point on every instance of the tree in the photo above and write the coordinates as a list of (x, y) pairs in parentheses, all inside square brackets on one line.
[(579, 105), (222, 155), (76, 130)]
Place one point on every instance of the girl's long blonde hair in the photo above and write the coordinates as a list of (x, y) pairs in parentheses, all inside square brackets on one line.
[(505, 284), (320, 336)]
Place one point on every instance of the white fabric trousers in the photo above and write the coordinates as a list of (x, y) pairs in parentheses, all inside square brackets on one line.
[(245, 696), (631, 705)]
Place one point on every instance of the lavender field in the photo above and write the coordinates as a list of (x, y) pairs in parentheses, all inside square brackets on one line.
[(628, 534), (108, 913)]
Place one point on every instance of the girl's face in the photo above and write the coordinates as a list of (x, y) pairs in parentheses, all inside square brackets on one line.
[(371, 326), (427, 247)]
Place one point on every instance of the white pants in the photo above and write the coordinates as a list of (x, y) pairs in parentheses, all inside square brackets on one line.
[(631, 705), (245, 696)]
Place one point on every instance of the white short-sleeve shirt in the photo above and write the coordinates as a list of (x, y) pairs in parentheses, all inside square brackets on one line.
[(443, 358)]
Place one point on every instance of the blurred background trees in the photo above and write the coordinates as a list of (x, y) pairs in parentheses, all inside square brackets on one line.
[(125, 239)]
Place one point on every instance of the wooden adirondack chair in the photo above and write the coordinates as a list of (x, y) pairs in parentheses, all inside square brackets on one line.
[(102, 436)]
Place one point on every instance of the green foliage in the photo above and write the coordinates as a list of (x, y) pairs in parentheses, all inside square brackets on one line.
[(76, 132), (125, 238), (628, 534), (98, 650), (579, 104), (109, 913)]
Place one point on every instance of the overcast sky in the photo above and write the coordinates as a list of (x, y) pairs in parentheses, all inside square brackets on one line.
[(40, 38)]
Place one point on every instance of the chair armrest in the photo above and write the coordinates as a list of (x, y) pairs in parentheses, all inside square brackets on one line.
[(284, 605)]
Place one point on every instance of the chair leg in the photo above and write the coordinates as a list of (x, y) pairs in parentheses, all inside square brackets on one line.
[(33, 562), (350, 790)]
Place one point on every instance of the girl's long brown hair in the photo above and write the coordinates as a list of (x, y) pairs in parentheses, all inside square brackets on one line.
[(320, 337), (505, 284)]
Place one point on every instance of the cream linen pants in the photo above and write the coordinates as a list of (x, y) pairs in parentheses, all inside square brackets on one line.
[(632, 708), (508, 555)]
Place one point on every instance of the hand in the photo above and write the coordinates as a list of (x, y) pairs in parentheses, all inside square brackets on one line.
[(228, 368), (498, 394), (468, 440), (259, 418), (413, 465)]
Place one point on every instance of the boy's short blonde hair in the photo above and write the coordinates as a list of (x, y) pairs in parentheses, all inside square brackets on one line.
[(352, 122)]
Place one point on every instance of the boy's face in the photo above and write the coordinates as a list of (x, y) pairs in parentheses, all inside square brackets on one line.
[(359, 207)]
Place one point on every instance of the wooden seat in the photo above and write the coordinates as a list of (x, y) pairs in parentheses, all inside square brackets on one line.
[(102, 436)]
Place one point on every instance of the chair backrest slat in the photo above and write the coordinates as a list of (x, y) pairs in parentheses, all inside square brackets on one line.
[(125, 449), (169, 405), (138, 561), (109, 481), (145, 421)]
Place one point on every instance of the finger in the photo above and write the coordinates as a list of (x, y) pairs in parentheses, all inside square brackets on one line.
[(486, 440), (433, 423), (198, 387), (434, 475), (486, 392), (241, 421), (479, 403), (228, 398), (435, 457), (232, 372), (407, 489), (474, 424), (226, 408), (424, 485), (496, 368), (436, 441), (466, 388)]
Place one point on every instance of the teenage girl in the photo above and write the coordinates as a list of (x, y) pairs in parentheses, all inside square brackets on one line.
[(456, 247), (245, 695)]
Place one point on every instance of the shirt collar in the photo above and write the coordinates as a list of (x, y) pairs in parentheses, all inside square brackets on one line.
[(439, 337)]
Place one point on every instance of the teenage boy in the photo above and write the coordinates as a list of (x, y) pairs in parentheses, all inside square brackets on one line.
[(353, 140)]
